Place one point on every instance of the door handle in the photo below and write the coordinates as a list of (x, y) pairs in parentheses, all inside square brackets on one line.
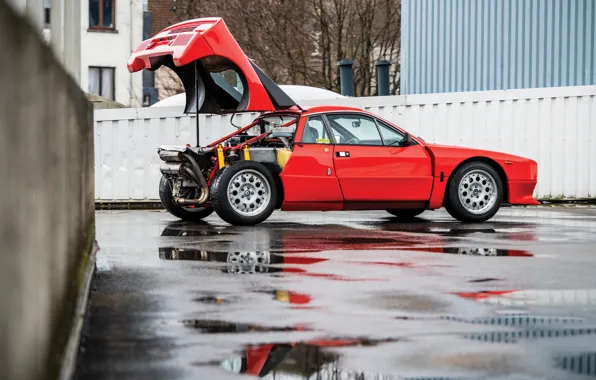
[(342, 154)]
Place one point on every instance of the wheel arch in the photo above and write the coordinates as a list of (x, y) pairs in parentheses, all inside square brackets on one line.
[(275, 171), (489, 161)]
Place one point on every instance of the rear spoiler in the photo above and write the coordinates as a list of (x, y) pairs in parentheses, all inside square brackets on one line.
[(203, 53)]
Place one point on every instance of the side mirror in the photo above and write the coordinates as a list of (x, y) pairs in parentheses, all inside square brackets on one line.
[(407, 140)]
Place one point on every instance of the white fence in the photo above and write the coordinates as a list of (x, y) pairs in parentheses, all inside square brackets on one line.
[(554, 126)]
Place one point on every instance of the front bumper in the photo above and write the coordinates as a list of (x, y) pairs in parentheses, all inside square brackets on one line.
[(522, 192)]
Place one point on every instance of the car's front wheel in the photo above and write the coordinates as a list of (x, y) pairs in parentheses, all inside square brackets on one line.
[(406, 213), (475, 193), (244, 193)]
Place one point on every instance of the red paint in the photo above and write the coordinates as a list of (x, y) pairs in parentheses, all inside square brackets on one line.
[(217, 142), (210, 39), (520, 192), (314, 178), (382, 173), (298, 298), (438, 193), (305, 177), (486, 294), (256, 356), (213, 172), (521, 174), (302, 260)]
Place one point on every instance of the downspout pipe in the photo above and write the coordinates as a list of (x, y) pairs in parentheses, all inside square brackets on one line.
[(346, 77)]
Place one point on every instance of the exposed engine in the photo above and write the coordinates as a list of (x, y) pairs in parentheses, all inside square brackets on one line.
[(190, 170)]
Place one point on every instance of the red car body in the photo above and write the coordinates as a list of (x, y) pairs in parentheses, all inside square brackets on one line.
[(326, 174), (385, 177)]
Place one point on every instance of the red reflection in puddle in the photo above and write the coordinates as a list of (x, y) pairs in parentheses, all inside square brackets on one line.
[(484, 294)]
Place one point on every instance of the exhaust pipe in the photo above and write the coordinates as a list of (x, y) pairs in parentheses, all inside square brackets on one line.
[(196, 175), (169, 155), (172, 168)]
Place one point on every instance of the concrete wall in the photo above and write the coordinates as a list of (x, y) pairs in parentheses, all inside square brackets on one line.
[(113, 48), (46, 203)]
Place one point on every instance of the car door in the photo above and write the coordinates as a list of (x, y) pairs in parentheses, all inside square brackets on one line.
[(372, 166), (309, 178)]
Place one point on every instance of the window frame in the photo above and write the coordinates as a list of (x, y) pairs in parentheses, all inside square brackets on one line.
[(377, 120), (385, 124), (99, 27), (101, 68), (363, 115), (325, 126)]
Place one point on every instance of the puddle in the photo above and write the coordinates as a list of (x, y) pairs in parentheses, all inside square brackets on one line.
[(192, 233), (207, 326), (325, 358), (304, 359), (517, 336), (212, 300), (581, 364), (338, 237), (477, 251), (255, 262), (238, 257), (194, 229), (416, 303), (479, 280)]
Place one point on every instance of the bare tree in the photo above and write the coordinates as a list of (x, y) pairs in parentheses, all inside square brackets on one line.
[(362, 30), (301, 41)]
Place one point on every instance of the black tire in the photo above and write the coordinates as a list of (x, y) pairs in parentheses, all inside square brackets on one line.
[(223, 204), (406, 213), (462, 212), (167, 199)]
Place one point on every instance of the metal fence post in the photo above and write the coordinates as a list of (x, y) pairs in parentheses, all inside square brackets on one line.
[(383, 77), (346, 77)]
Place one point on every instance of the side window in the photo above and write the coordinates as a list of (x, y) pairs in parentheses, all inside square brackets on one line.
[(354, 129), (315, 131), (390, 135)]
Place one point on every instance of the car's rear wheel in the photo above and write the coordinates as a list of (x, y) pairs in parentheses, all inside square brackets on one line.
[(406, 213), (244, 193), (185, 213), (475, 193)]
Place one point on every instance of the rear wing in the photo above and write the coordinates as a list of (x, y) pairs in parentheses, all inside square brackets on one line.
[(208, 60)]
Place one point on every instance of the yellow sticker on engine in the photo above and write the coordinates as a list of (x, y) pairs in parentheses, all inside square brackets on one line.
[(323, 141)]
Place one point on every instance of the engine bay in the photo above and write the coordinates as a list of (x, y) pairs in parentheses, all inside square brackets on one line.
[(268, 140)]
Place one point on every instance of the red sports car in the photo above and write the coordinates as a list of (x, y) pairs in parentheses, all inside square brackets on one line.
[(316, 158)]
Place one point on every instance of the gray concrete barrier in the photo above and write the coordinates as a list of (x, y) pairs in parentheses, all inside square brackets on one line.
[(46, 201)]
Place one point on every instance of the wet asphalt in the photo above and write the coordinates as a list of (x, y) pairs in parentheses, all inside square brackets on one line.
[(344, 295)]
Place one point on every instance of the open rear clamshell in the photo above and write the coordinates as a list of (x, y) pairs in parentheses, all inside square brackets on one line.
[(212, 68)]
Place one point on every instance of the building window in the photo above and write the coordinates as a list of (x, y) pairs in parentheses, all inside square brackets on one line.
[(102, 14), (47, 10), (101, 82)]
